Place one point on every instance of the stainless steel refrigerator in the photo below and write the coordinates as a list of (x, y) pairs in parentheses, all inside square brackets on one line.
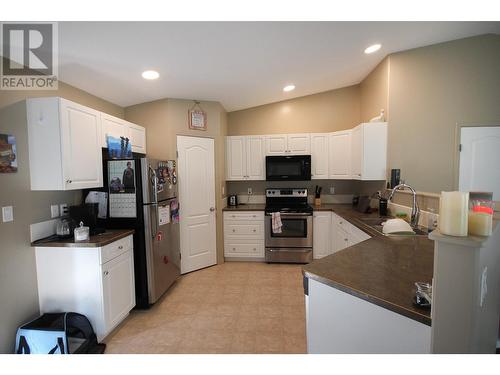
[(143, 197)]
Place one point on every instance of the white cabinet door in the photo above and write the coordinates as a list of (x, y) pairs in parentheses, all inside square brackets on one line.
[(299, 144), (321, 234), (255, 158), (276, 144), (236, 159), (112, 126), (137, 137), (319, 156), (339, 151), (81, 146), (118, 289), (356, 151)]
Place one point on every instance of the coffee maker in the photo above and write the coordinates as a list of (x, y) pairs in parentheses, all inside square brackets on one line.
[(87, 213)]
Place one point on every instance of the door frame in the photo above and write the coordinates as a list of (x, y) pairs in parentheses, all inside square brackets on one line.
[(458, 136), (215, 188)]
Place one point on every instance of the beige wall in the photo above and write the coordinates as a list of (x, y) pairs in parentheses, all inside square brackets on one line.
[(324, 112), (18, 286), (431, 89), (374, 92), (165, 119)]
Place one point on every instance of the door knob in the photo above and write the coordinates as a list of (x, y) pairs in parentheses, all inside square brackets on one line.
[(212, 209)]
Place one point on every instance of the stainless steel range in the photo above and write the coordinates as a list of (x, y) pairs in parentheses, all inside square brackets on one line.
[(294, 243)]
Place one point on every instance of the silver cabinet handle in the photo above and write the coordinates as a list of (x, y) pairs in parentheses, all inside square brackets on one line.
[(212, 209), (69, 181), (106, 273), (120, 247)]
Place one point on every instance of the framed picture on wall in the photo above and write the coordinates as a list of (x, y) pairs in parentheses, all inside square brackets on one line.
[(197, 117), (8, 154)]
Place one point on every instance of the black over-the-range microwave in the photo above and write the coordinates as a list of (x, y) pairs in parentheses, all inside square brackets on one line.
[(288, 168)]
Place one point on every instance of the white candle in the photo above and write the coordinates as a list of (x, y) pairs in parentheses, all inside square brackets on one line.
[(453, 213)]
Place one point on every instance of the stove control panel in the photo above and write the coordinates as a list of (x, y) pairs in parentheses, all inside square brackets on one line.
[(284, 193)]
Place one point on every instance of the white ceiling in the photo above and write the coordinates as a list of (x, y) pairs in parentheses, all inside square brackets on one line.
[(239, 64)]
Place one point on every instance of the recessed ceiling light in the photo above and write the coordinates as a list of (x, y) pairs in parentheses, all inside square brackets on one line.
[(373, 48), (289, 88), (150, 74)]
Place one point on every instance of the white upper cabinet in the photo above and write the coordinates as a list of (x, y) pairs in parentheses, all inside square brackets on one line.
[(276, 144), (319, 156), (137, 137), (369, 151), (288, 144), (339, 151), (256, 160), (299, 144), (64, 145), (112, 126), (245, 158), (117, 127)]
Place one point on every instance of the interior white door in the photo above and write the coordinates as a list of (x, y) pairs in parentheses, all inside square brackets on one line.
[(479, 156), (196, 179)]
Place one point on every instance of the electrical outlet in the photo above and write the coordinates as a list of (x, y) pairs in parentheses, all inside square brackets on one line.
[(54, 211), (249, 191), (7, 214), (332, 190), (63, 209)]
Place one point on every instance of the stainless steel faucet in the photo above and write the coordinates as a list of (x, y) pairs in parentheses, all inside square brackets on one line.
[(415, 211)]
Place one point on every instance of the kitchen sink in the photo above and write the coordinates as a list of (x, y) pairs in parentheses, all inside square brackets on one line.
[(375, 223)]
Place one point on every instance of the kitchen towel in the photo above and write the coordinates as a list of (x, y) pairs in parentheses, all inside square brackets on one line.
[(276, 222)]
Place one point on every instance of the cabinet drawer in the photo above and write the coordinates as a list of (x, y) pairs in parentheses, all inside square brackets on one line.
[(116, 248), (244, 229), (244, 249), (244, 216)]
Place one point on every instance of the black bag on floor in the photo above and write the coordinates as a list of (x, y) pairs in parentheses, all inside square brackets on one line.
[(58, 333)]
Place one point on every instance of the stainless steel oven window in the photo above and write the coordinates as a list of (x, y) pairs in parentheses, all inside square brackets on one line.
[(292, 228)]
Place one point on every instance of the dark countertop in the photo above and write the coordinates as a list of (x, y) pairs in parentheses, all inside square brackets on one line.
[(381, 270), (98, 240), (246, 207)]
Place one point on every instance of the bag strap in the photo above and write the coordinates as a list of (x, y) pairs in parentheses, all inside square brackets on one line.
[(60, 345), (23, 348)]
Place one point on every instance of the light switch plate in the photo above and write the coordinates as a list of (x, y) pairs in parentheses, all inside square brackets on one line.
[(63, 209), (249, 191), (54, 211), (7, 214), (332, 190)]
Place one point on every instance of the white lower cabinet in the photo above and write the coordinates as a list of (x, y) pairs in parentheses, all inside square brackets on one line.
[(97, 282), (244, 234), (332, 233), (322, 244)]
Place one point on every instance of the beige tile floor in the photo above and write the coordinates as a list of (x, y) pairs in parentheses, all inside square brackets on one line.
[(235, 307)]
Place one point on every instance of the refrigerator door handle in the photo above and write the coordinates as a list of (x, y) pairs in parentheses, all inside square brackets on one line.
[(154, 181)]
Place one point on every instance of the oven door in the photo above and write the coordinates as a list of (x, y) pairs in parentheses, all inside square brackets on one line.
[(295, 232)]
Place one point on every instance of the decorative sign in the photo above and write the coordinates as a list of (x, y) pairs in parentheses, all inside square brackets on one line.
[(197, 117), (8, 157)]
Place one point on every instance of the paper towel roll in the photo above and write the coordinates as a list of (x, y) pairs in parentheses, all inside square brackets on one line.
[(453, 213)]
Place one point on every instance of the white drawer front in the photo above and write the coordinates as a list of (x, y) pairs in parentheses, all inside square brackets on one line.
[(244, 249), (116, 248), (244, 216), (242, 229)]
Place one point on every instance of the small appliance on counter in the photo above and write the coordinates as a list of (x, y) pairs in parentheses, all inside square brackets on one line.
[(232, 200), (87, 213), (317, 196), (363, 205), (64, 228)]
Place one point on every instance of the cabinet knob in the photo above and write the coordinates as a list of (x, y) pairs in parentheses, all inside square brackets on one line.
[(106, 273), (212, 209), (69, 181), (120, 247), (234, 230), (255, 230), (345, 239), (254, 215), (254, 249), (341, 222), (234, 248)]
